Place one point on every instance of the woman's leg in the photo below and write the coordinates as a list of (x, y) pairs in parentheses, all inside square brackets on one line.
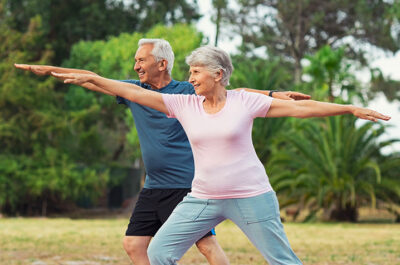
[(258, 217), (190, 221)]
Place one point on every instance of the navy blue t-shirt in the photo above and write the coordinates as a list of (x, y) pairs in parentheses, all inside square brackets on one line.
[(165, 148)]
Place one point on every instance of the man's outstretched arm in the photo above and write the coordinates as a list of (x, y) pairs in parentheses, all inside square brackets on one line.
[(48, 69), (287, 95)]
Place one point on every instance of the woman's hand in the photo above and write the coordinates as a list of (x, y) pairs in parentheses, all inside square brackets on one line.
[(311, 108), (74, 78), (368, 114)]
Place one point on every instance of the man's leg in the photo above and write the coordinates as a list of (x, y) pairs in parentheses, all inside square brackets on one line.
[(142, 226), (209, 247), (136, 248)]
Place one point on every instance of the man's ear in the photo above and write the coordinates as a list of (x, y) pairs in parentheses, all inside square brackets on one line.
[(163, 64)]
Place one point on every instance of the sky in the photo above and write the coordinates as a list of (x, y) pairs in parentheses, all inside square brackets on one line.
[(389, 65)]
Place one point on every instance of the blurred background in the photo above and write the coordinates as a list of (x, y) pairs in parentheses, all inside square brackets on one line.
[(63, 148)]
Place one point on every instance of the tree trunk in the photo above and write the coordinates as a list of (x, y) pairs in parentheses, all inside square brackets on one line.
[(44, 207), (297, 71), (347, 214), (217, 26)]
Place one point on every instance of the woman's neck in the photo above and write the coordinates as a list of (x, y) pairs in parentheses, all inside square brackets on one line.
[(215, 101)]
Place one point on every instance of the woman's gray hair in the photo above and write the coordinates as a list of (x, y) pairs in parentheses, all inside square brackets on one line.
[(161, 50), (214, 59)]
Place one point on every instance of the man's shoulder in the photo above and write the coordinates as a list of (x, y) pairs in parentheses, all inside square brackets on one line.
[(133, 81), (182, 87)]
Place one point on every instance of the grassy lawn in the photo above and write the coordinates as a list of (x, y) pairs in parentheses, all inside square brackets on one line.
[(98, 242)]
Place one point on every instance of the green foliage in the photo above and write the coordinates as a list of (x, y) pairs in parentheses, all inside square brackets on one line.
[(263, 75), (35, 165), (114, 58), (331, 74), (332, 165), (294, 29), (389, 87), (67, 22)]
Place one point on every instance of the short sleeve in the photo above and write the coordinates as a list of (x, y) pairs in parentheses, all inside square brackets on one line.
[(258, 104), (121, 100), (175, 103)]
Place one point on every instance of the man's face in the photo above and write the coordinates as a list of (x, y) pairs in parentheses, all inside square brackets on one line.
[(145, 64)]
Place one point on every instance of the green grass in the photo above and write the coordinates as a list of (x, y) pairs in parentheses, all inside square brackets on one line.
[(98, 242)]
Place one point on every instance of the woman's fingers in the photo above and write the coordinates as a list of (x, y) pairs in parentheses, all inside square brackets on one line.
[(371, 115)]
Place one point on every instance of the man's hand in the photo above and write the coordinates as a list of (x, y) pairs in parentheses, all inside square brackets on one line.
[(36, 69), (285, 95), (290, 95)]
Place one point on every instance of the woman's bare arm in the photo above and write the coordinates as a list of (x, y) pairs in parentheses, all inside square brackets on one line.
[(131, 92), (311, 108)]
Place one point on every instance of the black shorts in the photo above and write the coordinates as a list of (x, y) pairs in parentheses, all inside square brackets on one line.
[(153, 208)]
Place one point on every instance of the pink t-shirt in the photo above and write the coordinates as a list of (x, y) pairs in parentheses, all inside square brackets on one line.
[(226, 164)]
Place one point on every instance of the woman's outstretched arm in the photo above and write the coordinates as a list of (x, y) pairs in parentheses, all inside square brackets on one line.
[(131, 92), (48, 69), (311, 108)]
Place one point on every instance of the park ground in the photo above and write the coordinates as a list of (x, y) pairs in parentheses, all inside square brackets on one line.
[(65, 241)]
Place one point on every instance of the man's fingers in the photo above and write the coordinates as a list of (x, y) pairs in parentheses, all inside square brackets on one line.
[(298, 95)]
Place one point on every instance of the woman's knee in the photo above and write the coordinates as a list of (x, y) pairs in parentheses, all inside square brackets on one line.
[(157, 255)]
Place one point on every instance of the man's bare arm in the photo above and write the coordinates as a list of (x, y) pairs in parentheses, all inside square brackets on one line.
[(286, 95)]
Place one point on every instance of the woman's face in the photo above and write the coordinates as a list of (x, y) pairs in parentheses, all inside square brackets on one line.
[(202, 80)]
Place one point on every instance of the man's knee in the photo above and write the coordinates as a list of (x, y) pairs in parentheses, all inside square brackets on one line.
[(135, 245), (207, 245)]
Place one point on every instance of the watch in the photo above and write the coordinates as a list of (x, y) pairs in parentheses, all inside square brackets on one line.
[(272, 91)]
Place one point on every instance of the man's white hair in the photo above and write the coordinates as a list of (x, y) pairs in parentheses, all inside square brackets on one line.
[(161, 50), (214, 59)]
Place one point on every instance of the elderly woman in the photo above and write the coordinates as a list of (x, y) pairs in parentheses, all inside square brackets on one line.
[(230, 181)]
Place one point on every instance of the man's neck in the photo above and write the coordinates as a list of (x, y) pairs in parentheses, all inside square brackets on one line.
[(161, 82)]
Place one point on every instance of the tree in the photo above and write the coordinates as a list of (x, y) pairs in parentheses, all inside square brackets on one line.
[(294, 29), (67, 22), (332, 165), (114, 58), (330, 72), (220, 6), (389, 87), (35, 169), (262, 74)]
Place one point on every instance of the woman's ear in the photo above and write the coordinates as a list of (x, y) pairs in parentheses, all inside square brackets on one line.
[(218, 75)]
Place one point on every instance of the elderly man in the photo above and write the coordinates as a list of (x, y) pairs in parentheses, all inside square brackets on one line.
[(166, 151)]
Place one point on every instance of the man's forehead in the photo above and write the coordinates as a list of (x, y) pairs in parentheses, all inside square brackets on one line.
[(144, 49)]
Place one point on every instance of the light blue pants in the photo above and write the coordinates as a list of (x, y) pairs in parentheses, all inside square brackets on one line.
[(258, 217)]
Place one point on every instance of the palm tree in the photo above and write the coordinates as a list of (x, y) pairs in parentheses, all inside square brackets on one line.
[(331, 165), (262, 74)]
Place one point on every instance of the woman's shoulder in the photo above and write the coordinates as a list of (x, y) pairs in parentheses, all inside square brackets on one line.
[(239, 93), (185, 98)]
